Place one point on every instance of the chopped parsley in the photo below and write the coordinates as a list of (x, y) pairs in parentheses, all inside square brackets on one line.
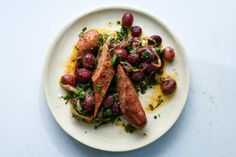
[(85, 87), (155, 49), (66, 98), (107, 81), (79, 58), (76, 48), (107, 113), (123, 33), (86, 49), (155, 117), (113, 118), (132, 50), (99, 87), (143, 88), (114, 57), (100, 124), (105, 36), (122, 63), (100, 38), (79, 94), (152, 81), (162, 51), (146, 54), (95, 62), (129, 128), (115, 96), (62, 81), (118, 78), (151, 107), (82, 32), (159, 102)]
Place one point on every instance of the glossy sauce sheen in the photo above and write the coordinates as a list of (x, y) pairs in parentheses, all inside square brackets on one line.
[(158, 95), (129, 100)]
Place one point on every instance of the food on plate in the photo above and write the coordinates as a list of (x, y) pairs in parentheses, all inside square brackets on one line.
[(169, 54), (127, 19), (87, 43), (168, 85), (136, 31), (109, 69), (129, 101), (102, 77)]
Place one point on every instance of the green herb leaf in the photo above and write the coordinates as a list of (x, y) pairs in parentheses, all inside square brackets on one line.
[(62, 81), (114, 57), (95, 62), (76, 47), (100, 38), (85, 87), (156, 48), (79, 94), (105, 36), (155, 117), (129, 128), (152, 81), (146, 54), (66, 98), (107, 81), (107, 113), (123, 33), (99, 87), (113, 118), (122, 63), (82, 32), (162, 51), (132, 50), (79, 58), (118, 78), (116, 96), (151, 107), (84, 29)]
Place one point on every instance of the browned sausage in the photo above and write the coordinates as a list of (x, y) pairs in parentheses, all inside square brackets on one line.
[(129, 101), (102, 77), (87, 42)]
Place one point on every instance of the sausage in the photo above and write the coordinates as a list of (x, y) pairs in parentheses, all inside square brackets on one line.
[(129, 101), (102, 77), (87, 42)]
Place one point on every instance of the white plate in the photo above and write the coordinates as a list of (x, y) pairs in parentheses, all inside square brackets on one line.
[(111, 137)]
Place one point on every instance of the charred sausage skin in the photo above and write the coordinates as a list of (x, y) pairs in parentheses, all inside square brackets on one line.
[(102, 77), (87, 42), (129, 100)]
